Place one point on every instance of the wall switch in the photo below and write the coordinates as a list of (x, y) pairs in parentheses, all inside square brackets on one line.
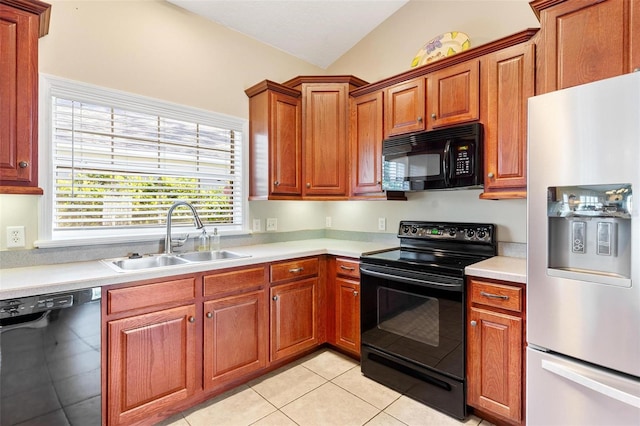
[(272, 224), (257, 225), (327, 222), (15, 236), (382, 224)]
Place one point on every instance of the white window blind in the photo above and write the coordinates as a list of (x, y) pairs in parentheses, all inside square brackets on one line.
[(122, 168)]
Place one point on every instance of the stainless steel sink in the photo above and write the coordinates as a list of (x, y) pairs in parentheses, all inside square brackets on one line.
[(206, 256), (164, 260), (146, 262)]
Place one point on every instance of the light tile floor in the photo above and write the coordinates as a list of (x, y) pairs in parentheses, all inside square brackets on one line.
[(323, 389)]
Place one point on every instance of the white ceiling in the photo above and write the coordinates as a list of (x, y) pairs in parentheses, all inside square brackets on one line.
[(317, 31)]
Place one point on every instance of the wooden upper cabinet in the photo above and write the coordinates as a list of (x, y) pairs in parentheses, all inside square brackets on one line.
[(508, 82), (21, 24), (366, 144), (275, 141), (453, 95), (325, 143), (586, 40), (404, 107)]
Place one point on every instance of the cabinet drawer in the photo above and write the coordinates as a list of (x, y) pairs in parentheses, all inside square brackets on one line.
[(294, 269), (497, 295), (348, 268), (144, 296), (234, 281)]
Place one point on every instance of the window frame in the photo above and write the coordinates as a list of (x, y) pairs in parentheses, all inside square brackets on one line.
[(84, 92)]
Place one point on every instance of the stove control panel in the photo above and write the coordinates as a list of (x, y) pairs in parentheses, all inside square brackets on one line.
[(472, 232)]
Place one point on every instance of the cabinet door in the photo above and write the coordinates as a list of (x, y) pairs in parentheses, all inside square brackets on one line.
[(18, 98), (453, 95), (293, 317), (494, 363), (366, 144), (325, 139), (404, 108), (152, 362), (285, 145), (348, 314), (235, 337), (510, 80), (587, 40)]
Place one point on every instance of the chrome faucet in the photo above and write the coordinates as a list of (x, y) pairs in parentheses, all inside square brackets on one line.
[(196, 220)]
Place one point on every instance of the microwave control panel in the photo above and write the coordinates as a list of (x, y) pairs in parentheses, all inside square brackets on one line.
[(463, 166)]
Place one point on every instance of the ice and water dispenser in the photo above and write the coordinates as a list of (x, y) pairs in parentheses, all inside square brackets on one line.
[(590, 233)]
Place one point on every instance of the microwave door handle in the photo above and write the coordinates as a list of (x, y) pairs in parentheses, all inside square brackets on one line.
[(446, 163)]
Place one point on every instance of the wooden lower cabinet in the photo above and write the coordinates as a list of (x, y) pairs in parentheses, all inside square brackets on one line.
[(347, 305), (152, 363), (495, 349), (235, 337), (294, 316)]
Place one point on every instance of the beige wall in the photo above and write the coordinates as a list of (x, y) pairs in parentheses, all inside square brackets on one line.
[(153, 48), (389, 49)]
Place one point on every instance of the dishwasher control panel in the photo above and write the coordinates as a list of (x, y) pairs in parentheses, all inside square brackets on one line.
[(34, 304)]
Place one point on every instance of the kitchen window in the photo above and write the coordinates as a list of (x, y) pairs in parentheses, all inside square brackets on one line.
[(118, 161)]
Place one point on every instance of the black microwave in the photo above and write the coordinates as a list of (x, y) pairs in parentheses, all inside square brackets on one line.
[(449, 158)]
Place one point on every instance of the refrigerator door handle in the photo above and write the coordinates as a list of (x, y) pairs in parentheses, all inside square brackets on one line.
[(590, 383)]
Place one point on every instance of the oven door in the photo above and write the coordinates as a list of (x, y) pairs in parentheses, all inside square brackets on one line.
[(412, 326)]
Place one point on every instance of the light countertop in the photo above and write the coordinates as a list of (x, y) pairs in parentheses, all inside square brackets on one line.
[(32, 280), (503, 268)]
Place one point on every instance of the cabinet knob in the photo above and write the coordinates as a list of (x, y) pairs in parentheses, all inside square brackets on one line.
[(23, 164), (192, 319), (433, 116), (209, 314), (473, 323), (276, 183), (419, 119), (308, 185), (490, 175), (275, 297), (355, 293)]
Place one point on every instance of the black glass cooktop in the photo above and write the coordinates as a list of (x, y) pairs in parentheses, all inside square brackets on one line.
[(421, 260)]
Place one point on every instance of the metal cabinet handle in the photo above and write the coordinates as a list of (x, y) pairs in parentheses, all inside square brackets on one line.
[(355, 293), (296, 270), (209, 314), (275, 298), (419, 119), (433, 116), (494, 296), (23, 164), (276, 183), (192, 319), (490, 175), (473, 323), (347, 268)]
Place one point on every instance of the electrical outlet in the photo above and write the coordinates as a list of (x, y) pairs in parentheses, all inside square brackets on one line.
[(15, 236), (257, 225), (272, 224), (327, 222), (382, 224)]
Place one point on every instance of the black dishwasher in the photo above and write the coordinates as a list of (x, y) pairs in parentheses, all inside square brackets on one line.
[(50, 359)]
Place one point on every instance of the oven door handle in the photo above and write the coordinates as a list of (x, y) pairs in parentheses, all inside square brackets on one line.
[(409, 280)]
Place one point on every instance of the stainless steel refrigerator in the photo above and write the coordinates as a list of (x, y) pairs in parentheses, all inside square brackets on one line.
[(583, 255)]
